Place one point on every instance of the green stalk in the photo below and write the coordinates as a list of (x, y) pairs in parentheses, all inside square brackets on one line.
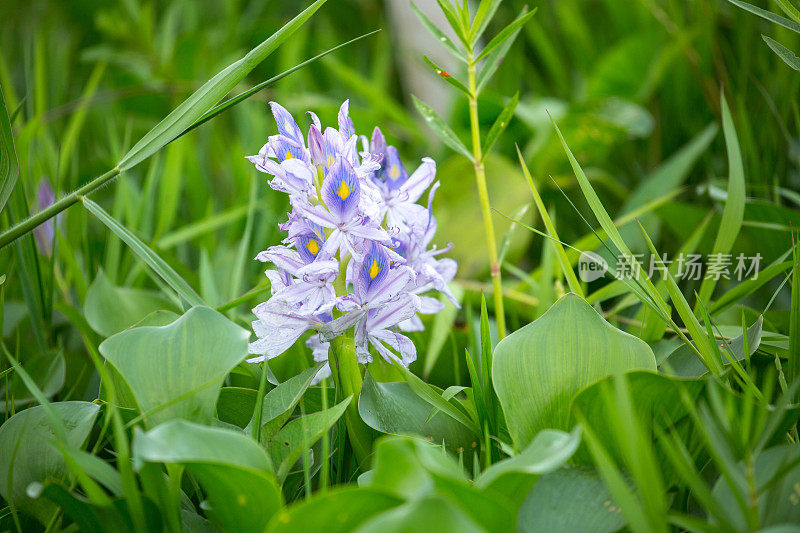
[(347, 378), (43, 216), (324, 472), (483, 196)]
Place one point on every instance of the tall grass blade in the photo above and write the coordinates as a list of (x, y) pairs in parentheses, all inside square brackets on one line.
[(733, 214), (770, 16), (9, 167), (152, 259), (210, 93)]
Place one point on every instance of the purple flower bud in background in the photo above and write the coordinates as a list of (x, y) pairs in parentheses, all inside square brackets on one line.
[(46, 232)]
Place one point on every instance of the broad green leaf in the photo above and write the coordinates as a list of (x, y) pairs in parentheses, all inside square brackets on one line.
[(9, 167), (514, 477), (233, 470), (202, 100), (394, 408), (339, 511), (501, 123), (770, 16), (109, 309), (440, 128), (572, 499), (733, 214), (146, 254), (176, 371), (432, 513), (539, 368), (789, 57), (776, 488), (433, 397), (47, 370), (291, 442), (506, 33), (280, 401), (682, 362), (27, 456), (235, 405)]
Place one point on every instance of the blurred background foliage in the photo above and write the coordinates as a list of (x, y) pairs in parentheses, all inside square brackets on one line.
[(631, 84)]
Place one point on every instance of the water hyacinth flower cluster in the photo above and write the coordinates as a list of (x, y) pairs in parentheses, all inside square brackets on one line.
[(357, 252)]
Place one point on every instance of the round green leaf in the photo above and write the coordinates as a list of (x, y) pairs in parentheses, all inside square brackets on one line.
[(26, 455), (176, 371), (338, 511), (396, 409), (110, 309), (572, 499), (233, 470), (538, 369)]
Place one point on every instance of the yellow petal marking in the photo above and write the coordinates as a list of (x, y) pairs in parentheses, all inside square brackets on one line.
[(394, 172), (344, 191), (329, 161), (289, 155), (312, 246), (374, 269)]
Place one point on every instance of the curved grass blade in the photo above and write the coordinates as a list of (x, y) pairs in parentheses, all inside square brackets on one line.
[(484, 15), (561, 254), (227, 104), (441, 129), (733, 214), (9, 166), (152, 259), (210, 93)]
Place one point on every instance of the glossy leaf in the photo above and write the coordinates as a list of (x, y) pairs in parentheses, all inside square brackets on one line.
[(109, 309), (339, 511), (291, 442), (233, 470), (572, 499), (176, 371), (539, 368), (394, 408), (26, 455)]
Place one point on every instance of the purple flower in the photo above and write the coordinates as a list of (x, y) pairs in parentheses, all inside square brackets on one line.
[(354, 214)]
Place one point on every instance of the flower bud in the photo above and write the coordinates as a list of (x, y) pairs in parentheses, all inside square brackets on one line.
[(316, 145)]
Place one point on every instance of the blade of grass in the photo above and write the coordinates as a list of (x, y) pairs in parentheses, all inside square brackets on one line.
[(733, 214), (566, 268), (9, 167), (153, 260)]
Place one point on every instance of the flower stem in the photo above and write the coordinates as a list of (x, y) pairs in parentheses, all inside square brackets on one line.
[(346, 375), (483, 196), (44, 215)]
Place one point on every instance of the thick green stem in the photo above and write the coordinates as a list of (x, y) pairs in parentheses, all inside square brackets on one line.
[(11, 234), (483, 196), (346, 375)]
